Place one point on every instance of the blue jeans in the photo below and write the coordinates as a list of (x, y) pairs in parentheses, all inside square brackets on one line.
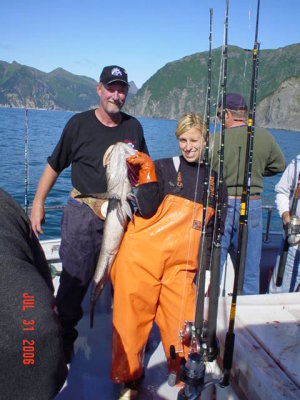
[(81, 238), (254, 245), (291, 276)]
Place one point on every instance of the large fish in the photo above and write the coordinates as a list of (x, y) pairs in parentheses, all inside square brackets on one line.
[(119, 192)]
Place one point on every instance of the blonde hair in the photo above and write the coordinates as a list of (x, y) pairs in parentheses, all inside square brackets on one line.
[(188, 121)]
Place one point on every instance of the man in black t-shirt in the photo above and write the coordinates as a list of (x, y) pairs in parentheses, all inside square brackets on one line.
[(83, 143)]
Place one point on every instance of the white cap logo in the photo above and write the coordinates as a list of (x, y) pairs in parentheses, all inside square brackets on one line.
[(116, 72)]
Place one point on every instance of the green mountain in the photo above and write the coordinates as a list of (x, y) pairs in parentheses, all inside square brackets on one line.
[(23, 86), (180, 86)]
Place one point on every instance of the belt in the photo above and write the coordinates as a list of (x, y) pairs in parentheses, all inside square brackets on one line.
[(255, 196), (99, 206)]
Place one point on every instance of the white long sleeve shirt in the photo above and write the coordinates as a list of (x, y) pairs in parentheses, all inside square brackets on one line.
[(286, 187)]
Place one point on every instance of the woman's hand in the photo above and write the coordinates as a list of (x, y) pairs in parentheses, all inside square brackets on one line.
[(145, 166)]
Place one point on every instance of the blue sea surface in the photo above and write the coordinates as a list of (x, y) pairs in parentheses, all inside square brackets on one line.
[(44, 131)]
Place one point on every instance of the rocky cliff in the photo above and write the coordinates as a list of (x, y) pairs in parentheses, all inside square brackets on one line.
[(180, 86), (281, 110)]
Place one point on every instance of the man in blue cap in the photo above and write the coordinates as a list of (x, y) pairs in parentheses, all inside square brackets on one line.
[(268, 160), (84, 140)]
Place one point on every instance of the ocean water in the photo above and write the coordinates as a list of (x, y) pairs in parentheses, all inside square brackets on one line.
[(43, 131)]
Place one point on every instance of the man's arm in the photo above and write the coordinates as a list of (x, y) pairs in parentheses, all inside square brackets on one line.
[(37, 215), (276, 161), (283, 191)]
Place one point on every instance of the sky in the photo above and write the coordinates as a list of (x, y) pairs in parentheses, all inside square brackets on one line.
[(83, 36)]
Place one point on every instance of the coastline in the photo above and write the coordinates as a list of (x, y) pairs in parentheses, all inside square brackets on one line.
[(282, 128)]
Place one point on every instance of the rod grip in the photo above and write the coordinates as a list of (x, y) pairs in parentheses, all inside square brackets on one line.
[(228, 352), (282, 262)]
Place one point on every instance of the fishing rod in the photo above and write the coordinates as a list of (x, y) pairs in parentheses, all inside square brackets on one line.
[(200, 350), (243, 221), (200, 280), (212, 344), (294, 222), (26, 202), (244, 213)]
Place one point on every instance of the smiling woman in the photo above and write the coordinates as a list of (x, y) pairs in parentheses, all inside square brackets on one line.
[(189, 133), (151, 281)]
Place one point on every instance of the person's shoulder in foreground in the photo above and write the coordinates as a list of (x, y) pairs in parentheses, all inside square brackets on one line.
[(32, 363)]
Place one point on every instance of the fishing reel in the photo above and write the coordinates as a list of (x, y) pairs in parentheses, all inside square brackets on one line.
[(293, 231), (192, 373), (189, 337), (197, 342), (192, 370)]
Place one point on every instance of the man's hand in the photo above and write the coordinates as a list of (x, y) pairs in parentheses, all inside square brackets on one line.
[(286, 219), (146, 167), (37, 215), (37, 218)]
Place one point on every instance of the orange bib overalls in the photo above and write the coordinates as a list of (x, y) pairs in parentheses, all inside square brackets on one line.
[(153, 280)]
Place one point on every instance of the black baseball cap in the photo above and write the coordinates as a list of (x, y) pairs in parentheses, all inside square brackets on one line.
[(113, 73), (234, 101)]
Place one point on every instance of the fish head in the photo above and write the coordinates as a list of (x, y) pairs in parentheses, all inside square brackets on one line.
[(114, 160)]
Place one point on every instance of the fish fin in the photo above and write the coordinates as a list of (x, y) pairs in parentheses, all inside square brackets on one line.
[(127, 209), (113, 203), (132, 197), (122, 214), (97, 288), (94, 195), (107, 155)]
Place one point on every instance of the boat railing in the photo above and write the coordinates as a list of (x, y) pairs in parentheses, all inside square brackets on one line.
[(267, 209), (48, 208)]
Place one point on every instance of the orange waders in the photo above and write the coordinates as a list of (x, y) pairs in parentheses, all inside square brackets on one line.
[(153, 280)]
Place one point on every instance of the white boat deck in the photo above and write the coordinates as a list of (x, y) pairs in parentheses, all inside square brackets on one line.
[(89, 370), (89, 373), (265, 363), (267, 345)]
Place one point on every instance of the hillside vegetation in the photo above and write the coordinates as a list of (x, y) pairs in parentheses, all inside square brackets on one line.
[(180, 86), (176, 88)]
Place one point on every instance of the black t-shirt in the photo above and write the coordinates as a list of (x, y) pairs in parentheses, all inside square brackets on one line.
[(83, 143)]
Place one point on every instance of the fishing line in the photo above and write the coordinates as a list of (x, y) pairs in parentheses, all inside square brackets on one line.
[(26, 202), (247, 52), (193, 369), (201, 273), (223, 78), (187, 260), (221, 73), (212, 345), (206, 188), (243, 226)]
